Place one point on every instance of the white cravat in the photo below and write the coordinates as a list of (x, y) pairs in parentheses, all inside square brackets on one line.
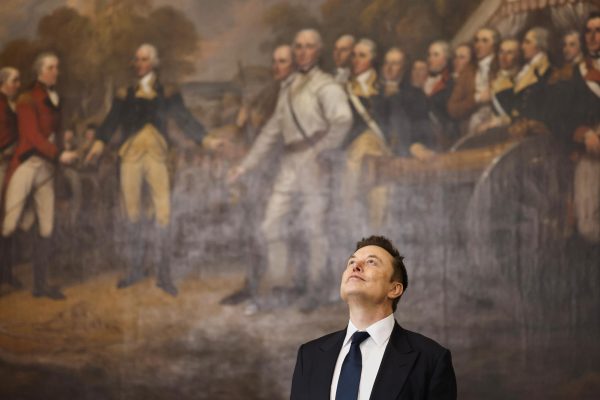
[(363, 79), (482, 77), (528, 66), (342, 75), (372, 350), (146, 83), (53, 95), (430, 83)]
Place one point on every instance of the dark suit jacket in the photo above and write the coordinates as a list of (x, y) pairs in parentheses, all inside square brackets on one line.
[(413, 367)]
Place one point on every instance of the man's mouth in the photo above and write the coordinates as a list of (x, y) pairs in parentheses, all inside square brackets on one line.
[(355, 277)]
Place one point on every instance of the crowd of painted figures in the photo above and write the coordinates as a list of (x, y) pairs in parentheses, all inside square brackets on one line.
[(317, 126)]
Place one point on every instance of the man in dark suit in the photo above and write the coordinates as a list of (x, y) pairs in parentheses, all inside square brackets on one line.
[(374, 358)]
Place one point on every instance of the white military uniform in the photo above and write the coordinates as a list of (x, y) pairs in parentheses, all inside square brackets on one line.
[(321, 108)]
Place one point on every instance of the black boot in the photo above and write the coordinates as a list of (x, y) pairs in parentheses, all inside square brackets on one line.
[(7, 261), (254, 269), (163, 244), (134, 254), (41, 260)]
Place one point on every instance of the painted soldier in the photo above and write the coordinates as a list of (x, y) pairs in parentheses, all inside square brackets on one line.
[(33, 166), (10, 82), (342, 52), (470, 102), (531, 83), (438, 87), (367, 137), (312, 117), (581, 122), (142, 112)]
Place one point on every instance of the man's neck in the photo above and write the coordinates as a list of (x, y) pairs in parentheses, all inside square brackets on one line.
[(363, 316)]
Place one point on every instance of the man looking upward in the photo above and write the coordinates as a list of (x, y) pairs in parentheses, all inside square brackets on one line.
[(373, 358)]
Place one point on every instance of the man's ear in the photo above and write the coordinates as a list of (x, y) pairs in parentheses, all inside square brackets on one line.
[(396, 290)]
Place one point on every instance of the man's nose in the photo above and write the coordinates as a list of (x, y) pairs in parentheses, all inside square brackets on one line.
[(358, 265)]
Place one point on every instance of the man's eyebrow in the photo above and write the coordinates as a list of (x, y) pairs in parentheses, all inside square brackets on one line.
[(374, 256)]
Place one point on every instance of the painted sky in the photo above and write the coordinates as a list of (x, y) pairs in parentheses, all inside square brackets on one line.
[(231, 30)]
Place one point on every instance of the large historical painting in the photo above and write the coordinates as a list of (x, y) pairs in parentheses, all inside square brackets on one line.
[(154, 247)]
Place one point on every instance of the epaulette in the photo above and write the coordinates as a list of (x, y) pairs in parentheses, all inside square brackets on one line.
[(24, 98), (121, 93), (563, 74)]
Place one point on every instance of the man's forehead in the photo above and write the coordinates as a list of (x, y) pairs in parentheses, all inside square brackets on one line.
[(462, 51), (394, 55), (142, 53), (306, 38), (372, 249), (594, 23), (282, 53), (484, 33), (435, 48), (49, 61), (362, 48), (572, 36), (509, 45), (344, 42)]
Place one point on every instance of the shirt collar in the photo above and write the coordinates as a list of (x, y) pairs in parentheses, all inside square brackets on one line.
[(288, 80), (537, 58), (148, 79), (363, 78), (485, 62), (380, 331)]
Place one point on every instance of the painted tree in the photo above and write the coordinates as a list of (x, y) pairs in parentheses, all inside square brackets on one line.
[(96, 50)]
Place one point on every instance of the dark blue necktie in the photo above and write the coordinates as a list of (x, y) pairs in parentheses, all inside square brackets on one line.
[(347, 388)]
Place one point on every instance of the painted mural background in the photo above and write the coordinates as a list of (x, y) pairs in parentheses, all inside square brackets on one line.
[(498, 273)]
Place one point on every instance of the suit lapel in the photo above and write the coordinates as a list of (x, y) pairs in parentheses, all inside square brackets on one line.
[(323, 371), (398, 361)]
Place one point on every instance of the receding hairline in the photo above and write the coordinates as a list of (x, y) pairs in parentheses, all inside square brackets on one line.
[(151, 51), (41, 60), (283, 47), (369, 44), (6, 73), (395, 50), (312, 32), (346, 38)]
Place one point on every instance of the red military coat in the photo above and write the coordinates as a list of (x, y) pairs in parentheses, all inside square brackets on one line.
[(37, 120)]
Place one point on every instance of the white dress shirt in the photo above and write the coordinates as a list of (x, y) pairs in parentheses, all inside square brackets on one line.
[(372, 350), (482, 77), (430, 83), (146, 83)]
